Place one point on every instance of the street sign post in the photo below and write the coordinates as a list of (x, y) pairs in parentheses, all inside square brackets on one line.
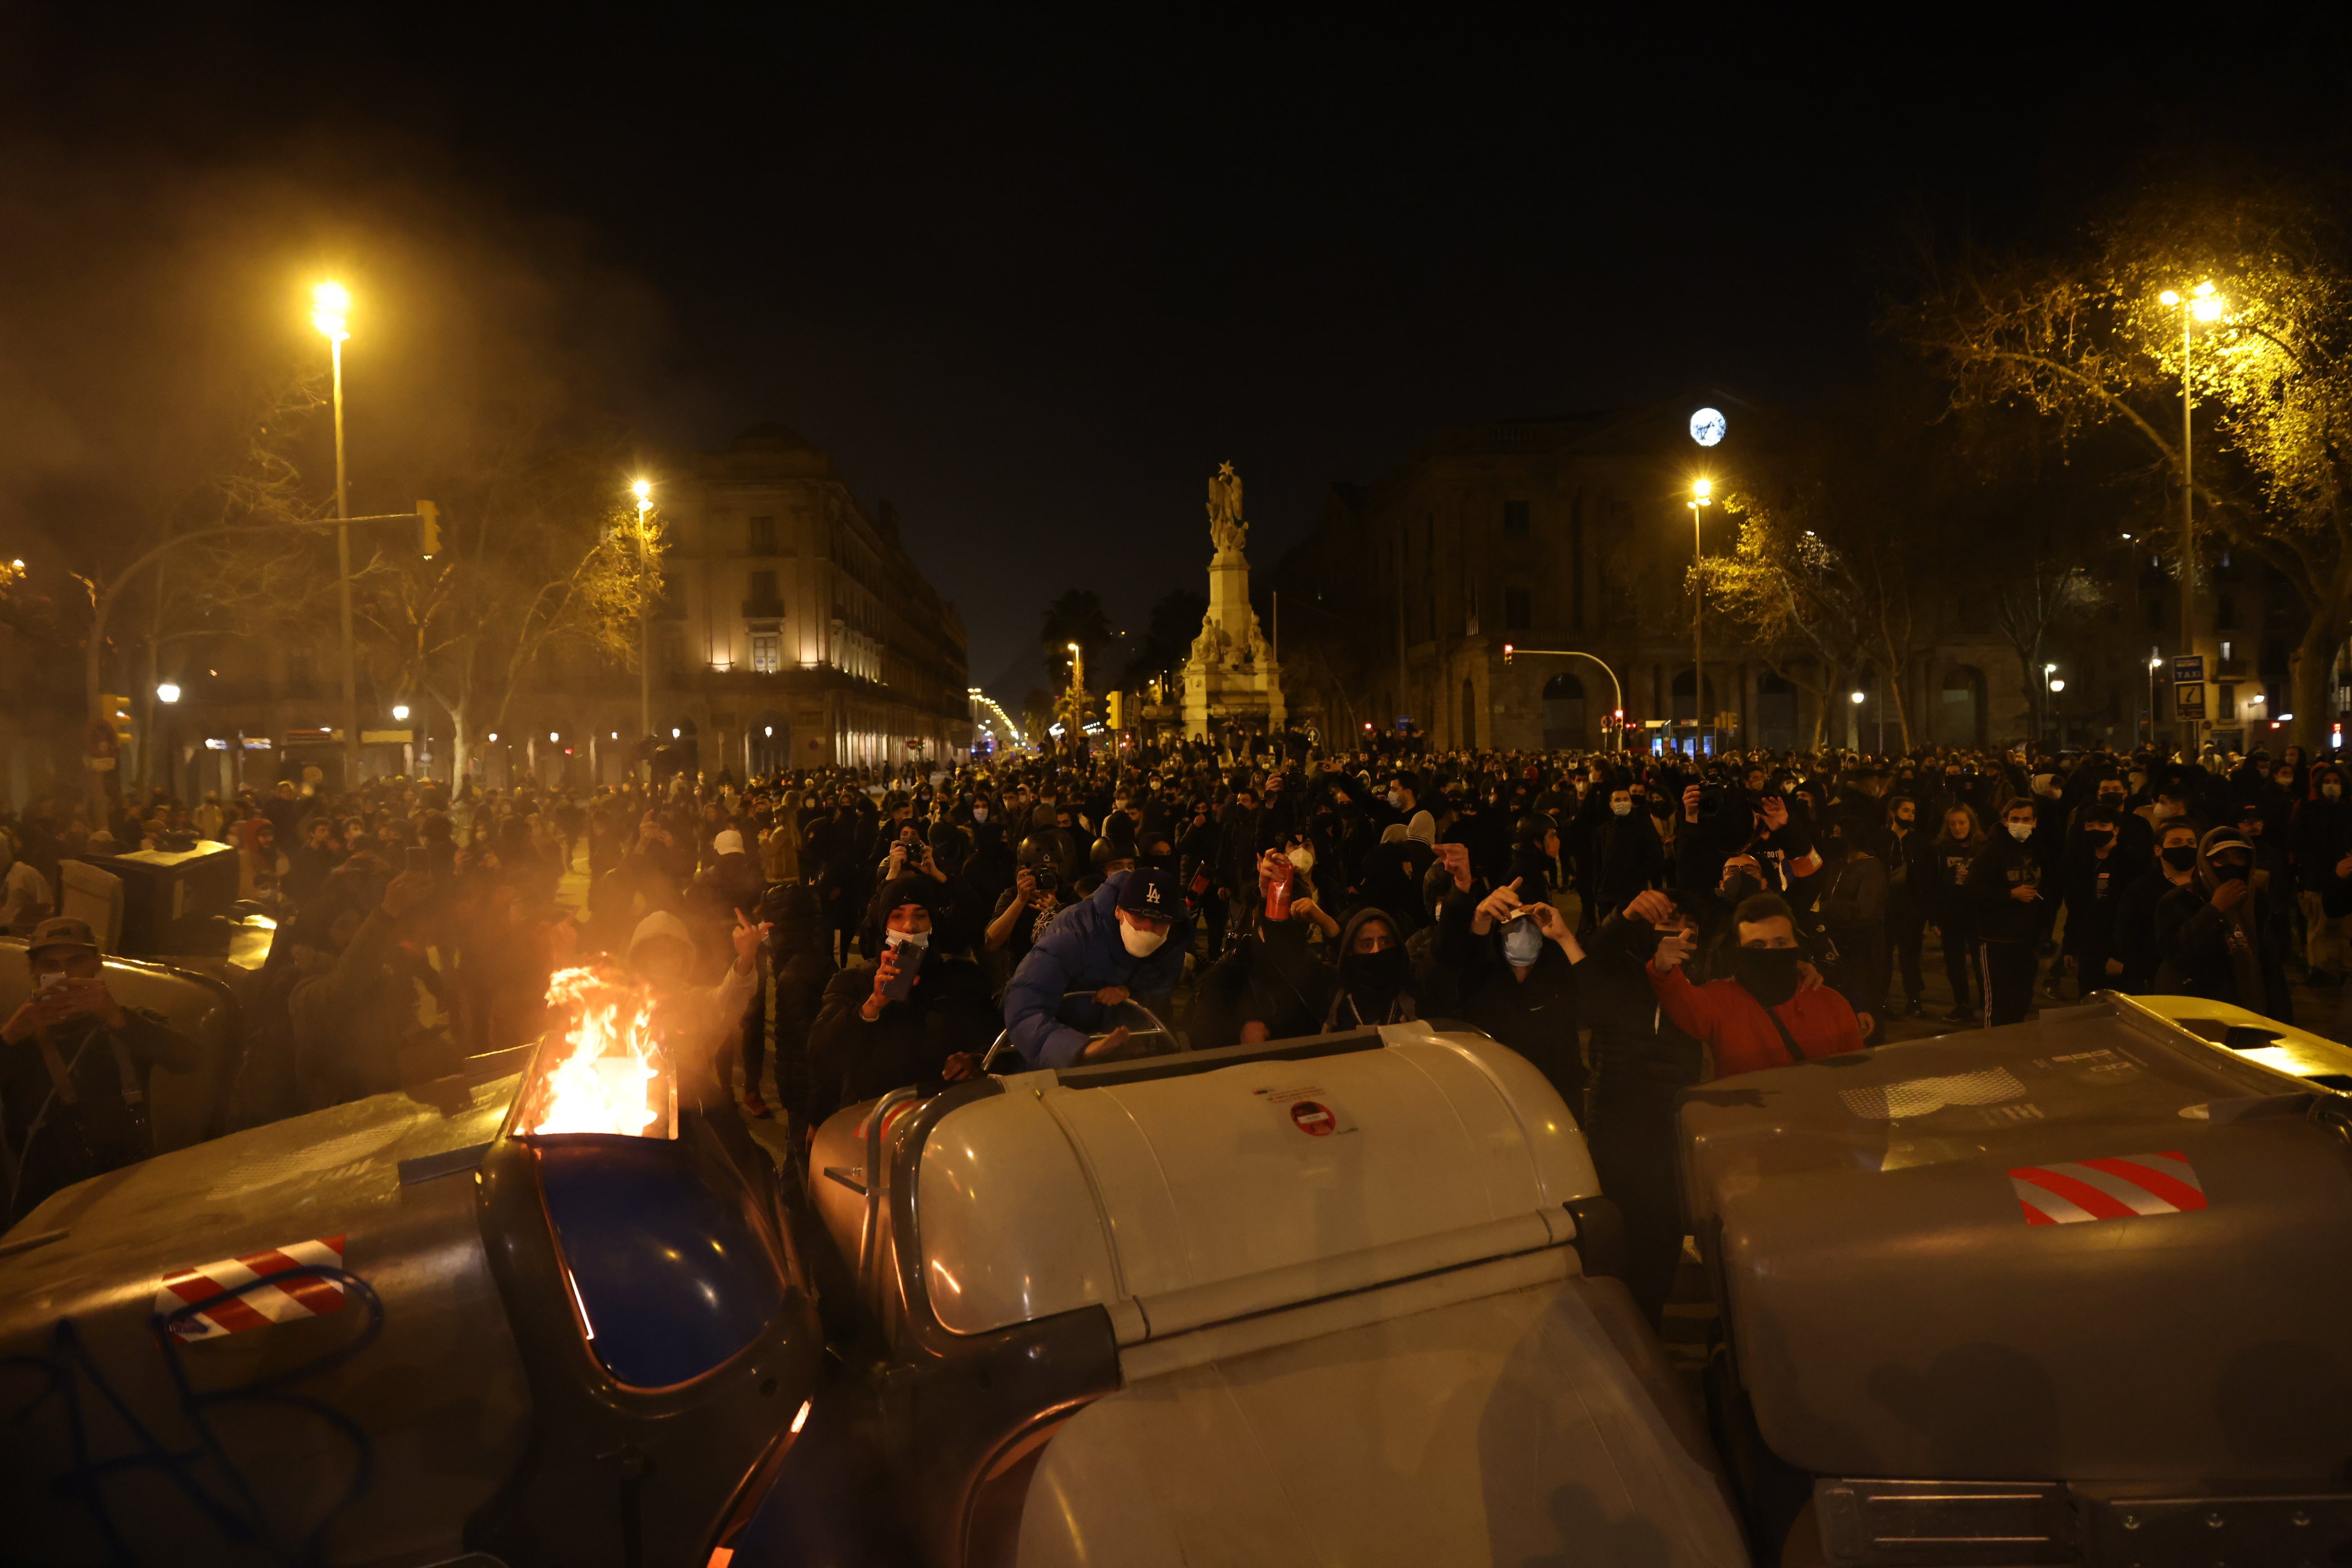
[(2189, 699), (2187, 667)]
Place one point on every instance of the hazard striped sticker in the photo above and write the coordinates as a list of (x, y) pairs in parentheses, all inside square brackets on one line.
[(2122, 1186), (234, 1303)]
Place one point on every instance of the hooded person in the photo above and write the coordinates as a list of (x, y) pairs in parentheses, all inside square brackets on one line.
[(919, 1015), (1376, 982), (694, 1021), (2215, 935), (1515, 956), (1125, 940)]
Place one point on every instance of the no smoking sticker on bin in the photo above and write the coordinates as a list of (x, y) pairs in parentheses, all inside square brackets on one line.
[(1309, 1109)]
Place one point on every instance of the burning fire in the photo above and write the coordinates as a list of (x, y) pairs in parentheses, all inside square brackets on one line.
[(606, 1073)]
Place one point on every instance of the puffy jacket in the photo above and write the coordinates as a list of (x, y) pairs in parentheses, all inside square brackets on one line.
[(1082, 951)]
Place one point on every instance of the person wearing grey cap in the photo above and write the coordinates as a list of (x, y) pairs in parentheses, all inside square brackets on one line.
[(74, 1067), (2216, 932)]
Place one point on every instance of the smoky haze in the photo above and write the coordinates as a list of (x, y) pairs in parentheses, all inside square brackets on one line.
[(1028, 277)]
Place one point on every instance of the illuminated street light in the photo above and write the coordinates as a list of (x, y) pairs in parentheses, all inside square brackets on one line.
[(674, 734), (400, 712), (553, 736), (2061, 686), (330, 310), (494, 734), (1857, 698), (167, 692)]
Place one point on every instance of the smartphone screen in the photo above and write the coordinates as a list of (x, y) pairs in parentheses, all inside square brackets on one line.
[(54, 978)]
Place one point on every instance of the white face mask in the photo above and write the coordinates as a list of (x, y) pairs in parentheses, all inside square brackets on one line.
[(1396, 799), (1141, 944), (1622, 807), (1521, 944), (2021, 831), (1302, 858), (918, 940), (2331, 791)]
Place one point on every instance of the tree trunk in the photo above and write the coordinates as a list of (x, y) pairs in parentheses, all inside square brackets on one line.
[(2315, 666)]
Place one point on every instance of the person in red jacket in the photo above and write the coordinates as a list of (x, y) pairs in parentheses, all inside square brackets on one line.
[(1763, 1014)]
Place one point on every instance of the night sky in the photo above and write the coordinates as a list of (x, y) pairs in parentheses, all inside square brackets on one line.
[(1029, 279)]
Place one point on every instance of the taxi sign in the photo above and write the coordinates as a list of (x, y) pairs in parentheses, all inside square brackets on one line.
[(2188, 667)]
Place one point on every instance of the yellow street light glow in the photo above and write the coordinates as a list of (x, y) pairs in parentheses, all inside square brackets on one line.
[(1857, 697), (2168, 298), (643, 489), (1703, 490), (2202, 291), (330, 309), (2206, 306)]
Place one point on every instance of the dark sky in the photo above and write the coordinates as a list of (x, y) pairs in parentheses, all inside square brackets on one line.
[(1032, 275)]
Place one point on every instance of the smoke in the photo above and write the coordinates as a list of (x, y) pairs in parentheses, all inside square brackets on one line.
[(152, 304)]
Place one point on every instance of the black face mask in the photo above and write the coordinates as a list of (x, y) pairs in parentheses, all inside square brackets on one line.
[(2231, 870), (1767, 974), (2181, 856), (1741, 887), (1373, 979)]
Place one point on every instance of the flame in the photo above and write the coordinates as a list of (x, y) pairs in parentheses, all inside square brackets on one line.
[(606, 1074)]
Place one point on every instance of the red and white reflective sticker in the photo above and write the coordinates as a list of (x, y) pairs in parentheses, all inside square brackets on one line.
[(2121, 1186), (307, 1295)]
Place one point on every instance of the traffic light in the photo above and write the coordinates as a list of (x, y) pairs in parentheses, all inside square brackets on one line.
[(428, 529), (1114, 703), (115, 709), (1506, 653)]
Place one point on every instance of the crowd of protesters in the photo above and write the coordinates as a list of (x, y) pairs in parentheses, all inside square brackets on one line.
[(1631, 925)]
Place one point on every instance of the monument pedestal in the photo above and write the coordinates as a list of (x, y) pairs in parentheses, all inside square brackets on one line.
[(1231, 676)]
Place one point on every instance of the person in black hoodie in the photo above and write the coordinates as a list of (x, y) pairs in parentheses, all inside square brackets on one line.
[(2321, 850), (1270, 986), (2012, 913), (1641, 1061), (1910, 879), (1376, 980), (1516, 955), (1627, 855), (1955, 850), (2214, 930), (2092, 882), (2136, 949)]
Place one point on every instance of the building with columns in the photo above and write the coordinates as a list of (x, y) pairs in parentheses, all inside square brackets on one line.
[(1573, 534)]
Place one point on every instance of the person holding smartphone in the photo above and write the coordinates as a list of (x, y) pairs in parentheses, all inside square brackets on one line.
[(914, 1016), (74, 1069)]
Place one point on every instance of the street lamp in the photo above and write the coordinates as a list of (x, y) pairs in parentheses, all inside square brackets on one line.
[(2201, 304), (400, 712), (330, 310), (1702, 495), (167, 692), (644, 491)]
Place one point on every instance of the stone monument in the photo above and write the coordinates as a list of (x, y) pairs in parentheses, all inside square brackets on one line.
[(1231, 676)]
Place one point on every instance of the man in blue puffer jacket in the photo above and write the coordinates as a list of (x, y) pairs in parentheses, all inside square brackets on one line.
[(1115, 945)]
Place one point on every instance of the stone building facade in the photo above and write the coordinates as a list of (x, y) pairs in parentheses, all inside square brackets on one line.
[(1573, 534), (794, 631)]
